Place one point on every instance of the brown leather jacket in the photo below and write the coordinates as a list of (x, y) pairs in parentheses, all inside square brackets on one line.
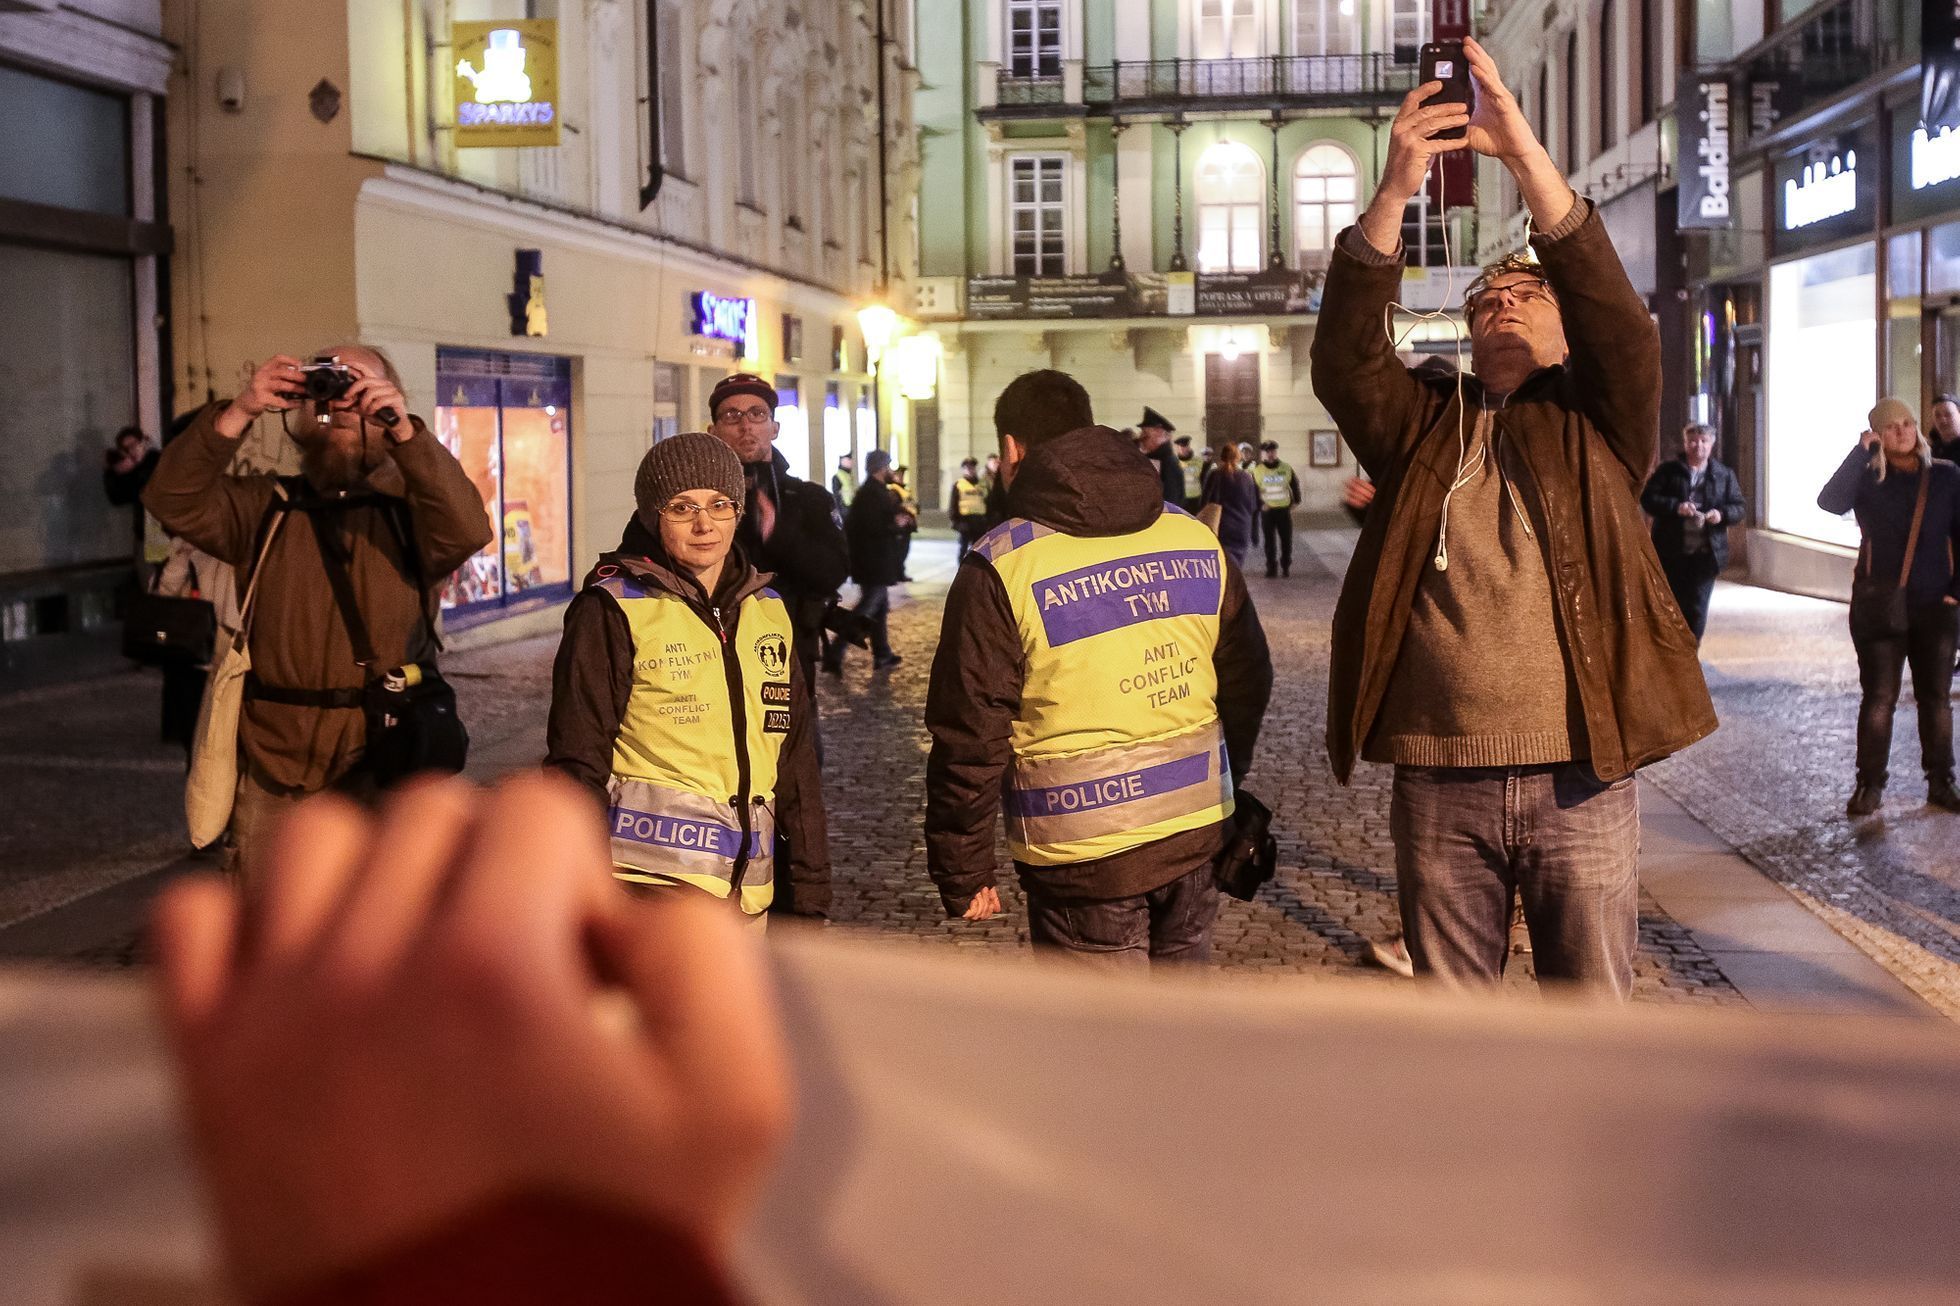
[(298, 638), (1578, 442)]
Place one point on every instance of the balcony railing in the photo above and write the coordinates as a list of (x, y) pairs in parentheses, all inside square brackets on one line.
[(1276, 82)]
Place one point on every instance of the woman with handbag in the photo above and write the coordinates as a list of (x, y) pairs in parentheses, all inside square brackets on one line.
[(1903, 595)]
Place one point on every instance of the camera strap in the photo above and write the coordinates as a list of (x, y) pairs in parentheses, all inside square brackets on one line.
[(335, 556)]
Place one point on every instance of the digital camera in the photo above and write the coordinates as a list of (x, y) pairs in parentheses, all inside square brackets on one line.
[(326, 379)]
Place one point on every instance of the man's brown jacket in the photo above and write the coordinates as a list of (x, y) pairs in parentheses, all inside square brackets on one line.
[(1578, 441), (298, 638)]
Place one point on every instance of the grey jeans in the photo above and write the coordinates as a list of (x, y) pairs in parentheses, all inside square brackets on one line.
[(1469, 839)]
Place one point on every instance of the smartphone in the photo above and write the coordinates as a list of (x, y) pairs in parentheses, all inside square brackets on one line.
[(1443, 61)]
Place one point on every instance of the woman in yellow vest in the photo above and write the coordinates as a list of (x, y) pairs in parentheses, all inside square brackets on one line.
[(676, 699)]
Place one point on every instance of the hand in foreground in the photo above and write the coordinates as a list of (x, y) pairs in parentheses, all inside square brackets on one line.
[(985, 905), (1357, 493), (1497, 125), (413, 1020)]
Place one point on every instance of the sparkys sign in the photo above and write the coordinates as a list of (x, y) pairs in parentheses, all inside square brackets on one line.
[(718, 318), (506, 82), (1704, 166)]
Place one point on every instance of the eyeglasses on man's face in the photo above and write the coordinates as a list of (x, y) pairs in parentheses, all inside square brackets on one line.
[(682, 511), (1529, 290), (745, 416)]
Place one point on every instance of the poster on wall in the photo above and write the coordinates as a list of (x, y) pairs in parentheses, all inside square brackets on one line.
[(1702, 202), (506, 82), (1939, 64)]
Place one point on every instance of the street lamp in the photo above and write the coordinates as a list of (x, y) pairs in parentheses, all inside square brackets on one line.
[(878, 324)]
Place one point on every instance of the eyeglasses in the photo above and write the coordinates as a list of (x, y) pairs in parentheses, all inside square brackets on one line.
[(683, 510), (1521, 292), (752, 416)]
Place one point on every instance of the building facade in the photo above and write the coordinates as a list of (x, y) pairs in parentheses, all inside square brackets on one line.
[(83, 251), (1145, 193), (565, 220)]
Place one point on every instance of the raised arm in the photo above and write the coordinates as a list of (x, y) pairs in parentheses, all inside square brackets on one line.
[(190, 492), (1356, 374), (1840, 493)]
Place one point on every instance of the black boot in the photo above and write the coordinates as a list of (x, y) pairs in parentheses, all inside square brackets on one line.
[(1941, 793), (1865, 799)]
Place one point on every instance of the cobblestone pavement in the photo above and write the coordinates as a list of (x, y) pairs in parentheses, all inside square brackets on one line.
[(1773, 782), (1335, 889), (93, 800)]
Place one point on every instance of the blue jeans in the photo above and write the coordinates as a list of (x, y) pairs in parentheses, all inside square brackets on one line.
[(875, 605), (1167, 926), (1469, 839)]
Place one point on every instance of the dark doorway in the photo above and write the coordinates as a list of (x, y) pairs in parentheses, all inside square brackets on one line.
[(1231, 399)]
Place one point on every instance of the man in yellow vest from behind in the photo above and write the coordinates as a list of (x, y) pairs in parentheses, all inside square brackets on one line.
[(677, 700), (1279, 491), (966, 505), (1099, 656)]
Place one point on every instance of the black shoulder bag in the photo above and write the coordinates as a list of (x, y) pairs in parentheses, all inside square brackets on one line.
[(412, 723), (1878, 611), (1251, 854)]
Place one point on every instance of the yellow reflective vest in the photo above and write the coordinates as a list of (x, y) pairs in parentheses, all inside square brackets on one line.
[(1117, 742), (1275, 484), (970, 497), (694, 766), (1194, 475)]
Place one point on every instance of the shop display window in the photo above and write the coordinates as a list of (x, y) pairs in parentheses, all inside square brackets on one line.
[(507, 418), (1822, 374), (1903, 310)]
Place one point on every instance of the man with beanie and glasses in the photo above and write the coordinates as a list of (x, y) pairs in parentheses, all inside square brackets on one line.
[(677, 700)]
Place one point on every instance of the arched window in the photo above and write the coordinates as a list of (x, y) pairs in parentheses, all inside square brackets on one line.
[(1324, 190), (1231, 187)]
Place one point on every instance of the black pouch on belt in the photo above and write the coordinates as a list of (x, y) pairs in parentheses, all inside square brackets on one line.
[(412, 723)]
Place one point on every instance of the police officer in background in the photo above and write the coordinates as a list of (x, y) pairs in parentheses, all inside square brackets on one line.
[(1100, 654), (966, 504), (1279, 492), (678, 703), (1194, 472)]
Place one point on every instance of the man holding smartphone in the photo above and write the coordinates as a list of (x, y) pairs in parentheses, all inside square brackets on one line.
[(1505, 638)]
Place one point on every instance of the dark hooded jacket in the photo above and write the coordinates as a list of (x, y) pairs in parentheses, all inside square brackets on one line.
[(592, 680), (1091, 482), (805, 552), (1577, 440)]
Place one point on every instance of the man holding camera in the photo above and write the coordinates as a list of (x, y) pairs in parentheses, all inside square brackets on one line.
[(354, 550), (1504, 637)]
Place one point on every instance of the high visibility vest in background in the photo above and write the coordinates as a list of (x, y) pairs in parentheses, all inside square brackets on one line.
[(1275, 484), (1194, 476), (970, 497), (693, 788), (844, 485), (1117, 743)]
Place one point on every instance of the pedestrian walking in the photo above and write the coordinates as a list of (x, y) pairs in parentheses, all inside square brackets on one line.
[(908, 504), (1903, 596), (1944, 437), (1503, 637), (677, 701), (1236, 494), (966, 505), (350, 555), (844, 482), (1279, 493), (1154, 432), (877, 529), (1102, 675), (1693, 499)]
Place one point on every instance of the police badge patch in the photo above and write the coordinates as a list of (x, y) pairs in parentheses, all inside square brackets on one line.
[(773, 651)]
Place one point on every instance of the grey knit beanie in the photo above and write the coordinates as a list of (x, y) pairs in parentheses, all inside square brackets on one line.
[(696, 461)]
